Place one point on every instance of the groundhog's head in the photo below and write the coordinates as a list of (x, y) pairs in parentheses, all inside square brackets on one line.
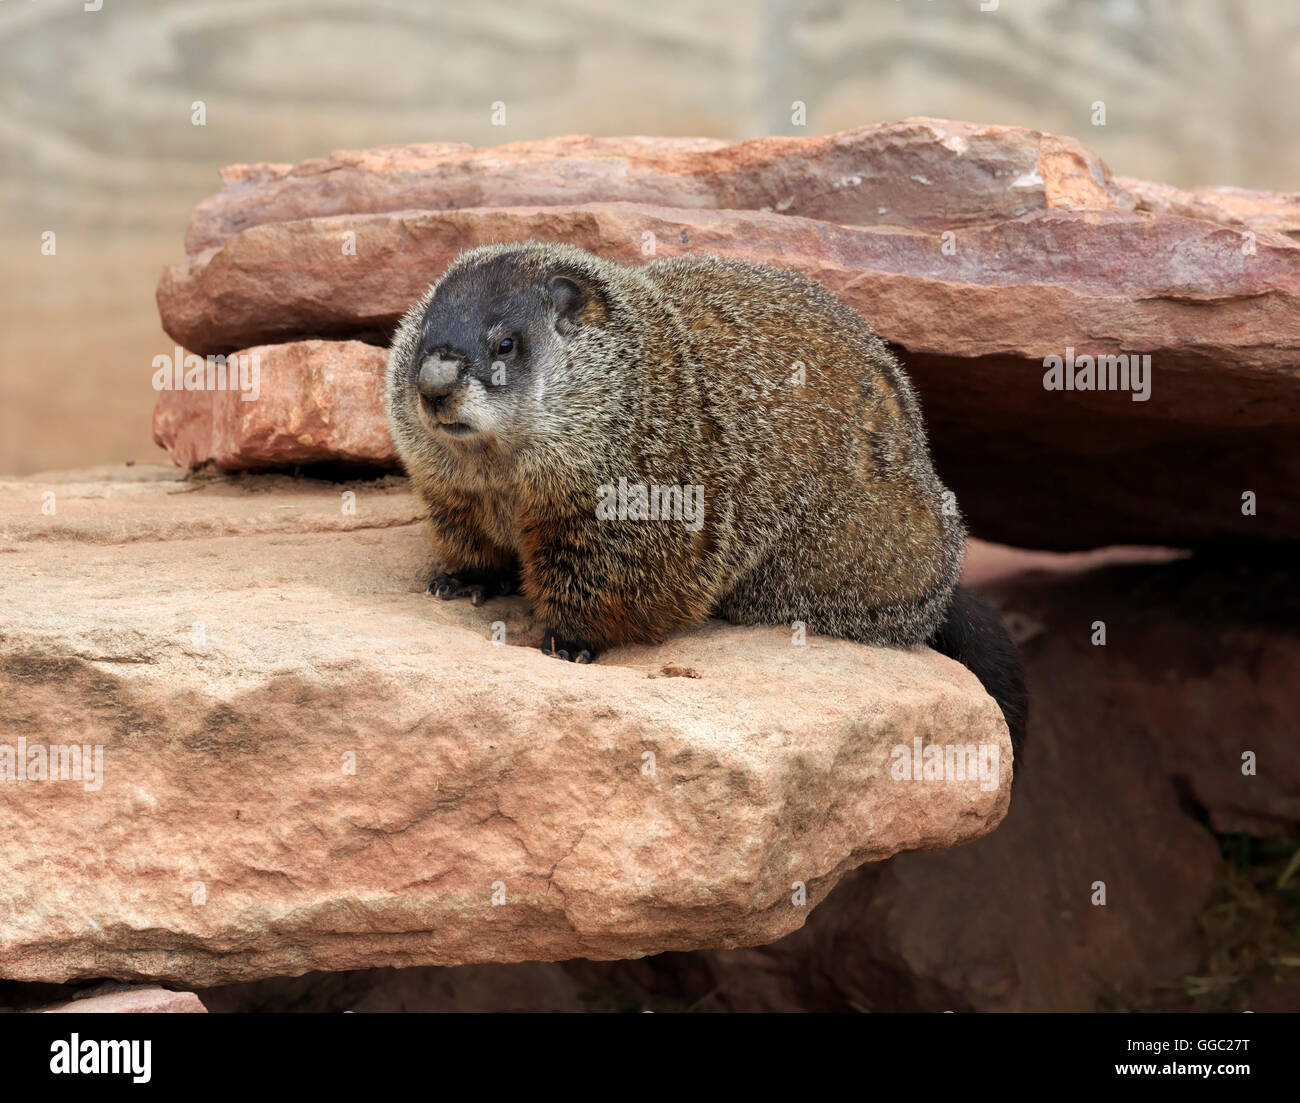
[(482, 360)]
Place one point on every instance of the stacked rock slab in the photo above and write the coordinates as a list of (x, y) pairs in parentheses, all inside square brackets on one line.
[(302, 403), (980, 251), (289, 757)]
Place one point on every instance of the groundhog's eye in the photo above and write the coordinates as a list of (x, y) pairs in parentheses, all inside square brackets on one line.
[(505, 346)]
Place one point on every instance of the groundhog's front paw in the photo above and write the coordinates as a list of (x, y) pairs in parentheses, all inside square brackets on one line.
[(478, 584), (575, 651)]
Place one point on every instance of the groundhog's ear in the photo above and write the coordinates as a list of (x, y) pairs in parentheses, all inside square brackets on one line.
[(568, 297)]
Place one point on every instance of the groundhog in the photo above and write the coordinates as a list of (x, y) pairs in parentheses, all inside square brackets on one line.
[(636, 449)]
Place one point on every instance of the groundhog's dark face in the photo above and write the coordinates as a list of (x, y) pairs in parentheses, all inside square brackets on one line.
[(488, 346)]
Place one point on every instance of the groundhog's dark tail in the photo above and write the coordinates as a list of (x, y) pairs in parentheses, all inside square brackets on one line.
[(972, 632)]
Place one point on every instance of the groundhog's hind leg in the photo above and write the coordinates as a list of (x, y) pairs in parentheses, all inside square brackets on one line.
[(836, 595)]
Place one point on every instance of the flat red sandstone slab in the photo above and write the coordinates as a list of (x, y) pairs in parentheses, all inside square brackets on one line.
[(308, 763)]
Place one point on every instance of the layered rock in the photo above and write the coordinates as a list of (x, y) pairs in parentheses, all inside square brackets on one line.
[(981, 252), (308, 763), (1220, 327)]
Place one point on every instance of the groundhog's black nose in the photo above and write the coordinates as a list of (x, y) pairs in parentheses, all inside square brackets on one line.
[(438, 375)]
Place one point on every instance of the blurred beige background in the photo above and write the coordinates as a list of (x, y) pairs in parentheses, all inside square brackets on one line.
[(97, 144)]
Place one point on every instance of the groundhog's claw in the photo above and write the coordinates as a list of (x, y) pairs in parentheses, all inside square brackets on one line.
[(477, 585), (574, 651)]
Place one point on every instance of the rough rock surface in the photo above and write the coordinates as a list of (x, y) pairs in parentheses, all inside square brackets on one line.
[(1133, 746), (316, 402), (135, 1001), (1262, 211), (310, 764), (120, 506), (920, 172)]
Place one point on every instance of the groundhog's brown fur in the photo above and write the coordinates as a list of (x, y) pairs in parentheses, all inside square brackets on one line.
[(820, 503)]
